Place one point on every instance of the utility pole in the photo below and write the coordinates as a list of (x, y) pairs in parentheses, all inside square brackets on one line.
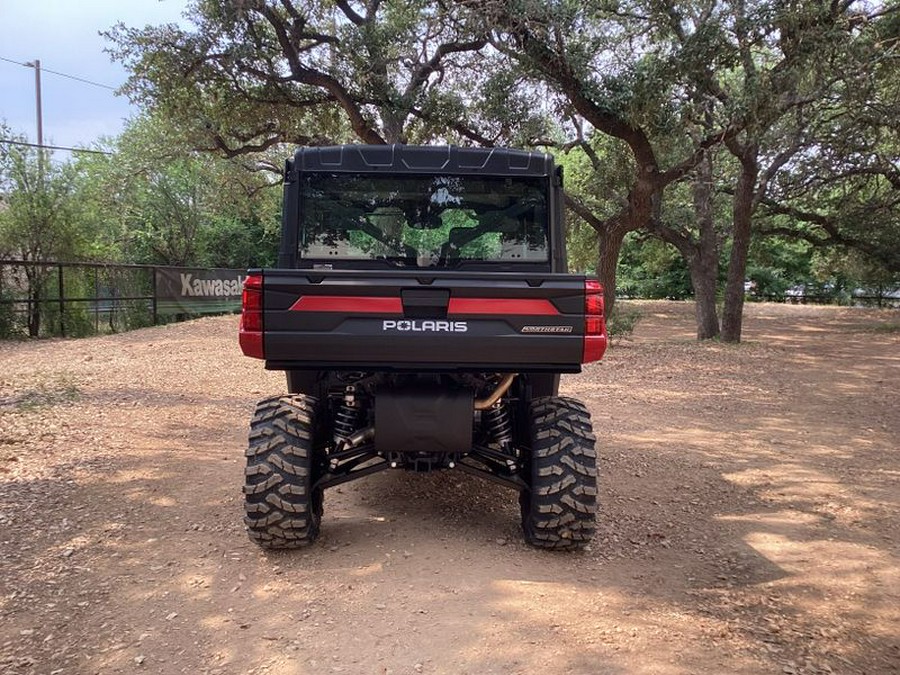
[(36, 64)]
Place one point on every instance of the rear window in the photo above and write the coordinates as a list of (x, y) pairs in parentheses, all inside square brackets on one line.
[(423, 221)]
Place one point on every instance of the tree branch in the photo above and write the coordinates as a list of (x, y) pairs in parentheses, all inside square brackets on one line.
[(834, 237), (421, 74), (306, 75), (350, 13), (588, 216)]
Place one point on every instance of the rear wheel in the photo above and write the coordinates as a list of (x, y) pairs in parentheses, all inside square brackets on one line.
[(282, 509), (559, 510)]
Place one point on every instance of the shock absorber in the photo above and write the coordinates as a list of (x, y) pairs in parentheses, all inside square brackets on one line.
[(497, 422), (346, 417)]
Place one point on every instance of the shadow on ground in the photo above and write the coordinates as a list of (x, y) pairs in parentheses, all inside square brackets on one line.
[(747, 527)]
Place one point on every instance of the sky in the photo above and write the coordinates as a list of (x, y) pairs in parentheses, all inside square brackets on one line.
[(64, 36)]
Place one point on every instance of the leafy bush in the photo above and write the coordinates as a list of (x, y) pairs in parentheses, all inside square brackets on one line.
[(653, 270), (77, 320), (766, 283), (137, 314), (9, 324), (621, 322)]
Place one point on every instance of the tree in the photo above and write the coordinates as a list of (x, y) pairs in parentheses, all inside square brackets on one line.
[(37, 218), (845, 195), (253, 74), (787, 62), (671, 108), (671, 81), (154, 200), (611, 82)]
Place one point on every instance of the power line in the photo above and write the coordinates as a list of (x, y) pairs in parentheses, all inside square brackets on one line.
[(9, 141), (54, 72)]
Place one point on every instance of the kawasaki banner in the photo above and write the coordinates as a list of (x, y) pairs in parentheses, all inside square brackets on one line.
[(181, 290)]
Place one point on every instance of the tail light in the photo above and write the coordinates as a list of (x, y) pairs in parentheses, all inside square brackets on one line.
[(594, 323), (250, 331)]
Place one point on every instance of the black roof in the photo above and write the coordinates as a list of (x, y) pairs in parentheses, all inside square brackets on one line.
[(447, 159)]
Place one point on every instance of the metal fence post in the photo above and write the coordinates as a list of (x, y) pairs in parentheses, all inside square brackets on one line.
[(96, 302), (62, 304), (155, 316)]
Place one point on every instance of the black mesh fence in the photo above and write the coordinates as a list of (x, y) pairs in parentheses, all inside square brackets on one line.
[(43, 299)]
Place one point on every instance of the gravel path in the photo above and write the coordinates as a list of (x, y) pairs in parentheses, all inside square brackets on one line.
[(750, 500)]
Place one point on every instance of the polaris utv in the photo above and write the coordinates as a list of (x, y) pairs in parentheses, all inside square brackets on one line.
[(422, 313)]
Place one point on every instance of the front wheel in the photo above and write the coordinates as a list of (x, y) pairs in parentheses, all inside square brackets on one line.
[(559, 508), (282, 508)]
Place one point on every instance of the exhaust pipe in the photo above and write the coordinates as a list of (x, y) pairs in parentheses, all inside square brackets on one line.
[(502, 388)]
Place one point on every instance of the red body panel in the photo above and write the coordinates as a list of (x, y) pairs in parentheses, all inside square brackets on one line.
[(250, 329), (348, 304), (355, 304)]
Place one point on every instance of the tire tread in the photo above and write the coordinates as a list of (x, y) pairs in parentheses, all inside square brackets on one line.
[(280, 508), (559, 511)]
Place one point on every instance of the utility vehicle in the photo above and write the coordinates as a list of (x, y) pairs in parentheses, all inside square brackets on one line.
[(422, 312)]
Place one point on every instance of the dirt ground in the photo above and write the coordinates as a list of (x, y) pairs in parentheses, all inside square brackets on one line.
[(750, 500)]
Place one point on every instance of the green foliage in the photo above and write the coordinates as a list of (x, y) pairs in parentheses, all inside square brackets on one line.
[(230, 241), (776, 264), (242, 76), (9, 326), (798, 99), (829, 264), (156, 201), (650, 269), (621, 323), (135, 314), (581, 247), (37, 218), (151, 201), (672, 81), (766, 283)]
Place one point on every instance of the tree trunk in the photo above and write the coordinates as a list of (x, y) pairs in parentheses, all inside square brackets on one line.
[(742, 219), (704, 264), (610, 245), (703, 279), (393, 123), (35, 295), (34, 314)]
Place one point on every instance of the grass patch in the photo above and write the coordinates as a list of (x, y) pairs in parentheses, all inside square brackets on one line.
[(879, 328), (61, 390)]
